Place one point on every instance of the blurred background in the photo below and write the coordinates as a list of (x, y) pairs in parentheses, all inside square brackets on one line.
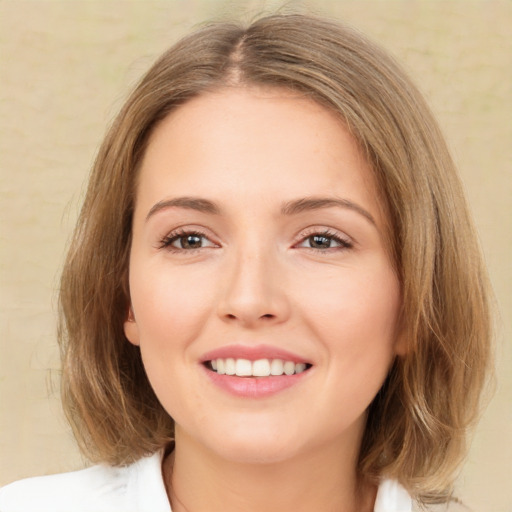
[(65, 69)]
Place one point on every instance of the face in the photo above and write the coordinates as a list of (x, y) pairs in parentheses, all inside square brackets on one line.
[(263, 298)]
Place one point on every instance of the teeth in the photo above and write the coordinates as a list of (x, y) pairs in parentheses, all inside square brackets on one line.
[(243, 368), (230, 366), (259, 368), (276, 367), (289, 368), (300, 367)]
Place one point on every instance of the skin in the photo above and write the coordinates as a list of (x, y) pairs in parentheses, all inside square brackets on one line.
[(256, 277)]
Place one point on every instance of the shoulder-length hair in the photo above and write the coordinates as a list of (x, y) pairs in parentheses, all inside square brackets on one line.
[(417, 424)]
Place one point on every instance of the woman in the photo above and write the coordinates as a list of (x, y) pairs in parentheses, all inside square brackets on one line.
[(274, 298)]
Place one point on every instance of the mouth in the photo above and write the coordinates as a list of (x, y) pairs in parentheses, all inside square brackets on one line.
[(259, 368), (255, 371)]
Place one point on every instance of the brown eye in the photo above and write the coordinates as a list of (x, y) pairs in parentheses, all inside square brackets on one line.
[(188, 242), (320, 242)]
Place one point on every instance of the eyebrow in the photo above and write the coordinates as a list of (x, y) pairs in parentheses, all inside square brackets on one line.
[(318, 203), (289, 208), (191, 203)]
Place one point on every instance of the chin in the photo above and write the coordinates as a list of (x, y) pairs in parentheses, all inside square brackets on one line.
[(254, 444), (266, 452)]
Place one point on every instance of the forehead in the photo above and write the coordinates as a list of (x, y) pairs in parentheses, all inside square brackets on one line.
[(255, 142)]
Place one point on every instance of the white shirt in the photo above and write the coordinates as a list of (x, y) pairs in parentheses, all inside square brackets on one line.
[(135, 488)]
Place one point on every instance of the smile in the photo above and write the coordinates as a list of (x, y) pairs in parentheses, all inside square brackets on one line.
[(259, 368), (255, 371)]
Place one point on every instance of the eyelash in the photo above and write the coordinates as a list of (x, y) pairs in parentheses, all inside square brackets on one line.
[(171, 238), (167, 241), (344, 243)]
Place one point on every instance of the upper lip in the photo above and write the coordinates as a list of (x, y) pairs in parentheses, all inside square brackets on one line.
[(252, 353)]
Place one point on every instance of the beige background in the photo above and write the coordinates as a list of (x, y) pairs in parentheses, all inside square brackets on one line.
[(65, 67)]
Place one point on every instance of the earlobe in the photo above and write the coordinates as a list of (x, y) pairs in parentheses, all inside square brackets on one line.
[(401, 345), (131, 330)]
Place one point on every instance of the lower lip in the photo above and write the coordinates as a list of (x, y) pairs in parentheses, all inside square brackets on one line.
[(254, 387)]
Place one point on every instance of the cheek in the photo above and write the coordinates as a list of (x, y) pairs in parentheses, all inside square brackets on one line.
[(167, 303), (360, 332), (170, 312), (351, 298), (355, 314)]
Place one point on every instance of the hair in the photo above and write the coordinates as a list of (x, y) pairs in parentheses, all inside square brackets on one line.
[(417, 424)]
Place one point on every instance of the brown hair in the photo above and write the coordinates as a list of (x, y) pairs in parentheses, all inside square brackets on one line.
[(418, 422)]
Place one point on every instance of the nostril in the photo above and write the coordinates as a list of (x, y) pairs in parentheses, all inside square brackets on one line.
[(231, 316)]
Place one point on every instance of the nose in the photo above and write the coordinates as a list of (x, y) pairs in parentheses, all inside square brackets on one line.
[(254, 293)]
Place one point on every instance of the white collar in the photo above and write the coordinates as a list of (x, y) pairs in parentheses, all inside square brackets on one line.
[(392, 497)]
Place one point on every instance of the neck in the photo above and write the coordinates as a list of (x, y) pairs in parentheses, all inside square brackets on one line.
[(199, 480)]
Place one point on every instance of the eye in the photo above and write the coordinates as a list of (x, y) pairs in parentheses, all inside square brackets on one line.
[(324, 241), (186, 241)]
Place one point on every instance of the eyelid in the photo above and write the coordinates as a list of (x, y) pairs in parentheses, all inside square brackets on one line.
[(166, 241), (346, 241)]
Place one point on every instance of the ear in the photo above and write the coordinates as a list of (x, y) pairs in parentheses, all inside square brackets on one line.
[(401, 345), (131, 329)]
